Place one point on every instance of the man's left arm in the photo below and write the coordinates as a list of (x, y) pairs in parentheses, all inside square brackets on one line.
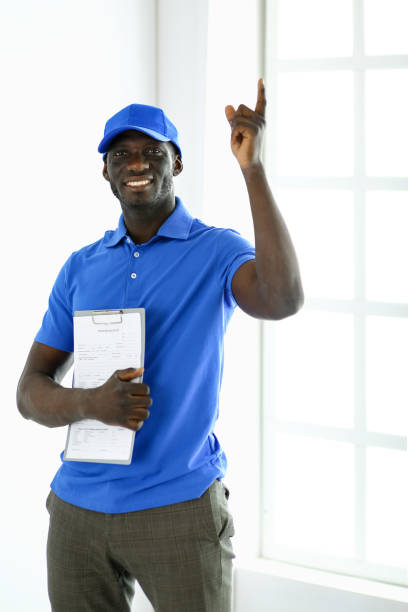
[(268, 287)]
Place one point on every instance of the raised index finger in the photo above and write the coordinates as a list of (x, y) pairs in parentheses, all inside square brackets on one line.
[(261, 100)]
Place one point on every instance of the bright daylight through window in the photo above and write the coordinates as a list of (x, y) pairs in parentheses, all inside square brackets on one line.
[(335, 392)]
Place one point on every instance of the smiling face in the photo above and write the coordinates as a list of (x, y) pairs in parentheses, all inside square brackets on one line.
[(140, 171)]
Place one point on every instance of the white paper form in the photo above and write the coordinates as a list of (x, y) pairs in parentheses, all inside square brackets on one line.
[(104, 341)]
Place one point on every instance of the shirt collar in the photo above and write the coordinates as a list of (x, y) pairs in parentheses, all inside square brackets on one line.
[(177, 225)]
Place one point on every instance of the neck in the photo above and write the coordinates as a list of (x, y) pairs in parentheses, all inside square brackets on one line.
[(144, 220)]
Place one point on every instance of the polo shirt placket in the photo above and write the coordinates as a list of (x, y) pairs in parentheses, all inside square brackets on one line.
[(135, 270)]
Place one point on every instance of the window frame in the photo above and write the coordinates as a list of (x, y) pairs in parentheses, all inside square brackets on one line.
[(358, 307)]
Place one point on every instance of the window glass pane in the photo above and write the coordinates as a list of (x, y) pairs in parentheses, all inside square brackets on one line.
[(387, 246), (387, 122), (316, 28), (321, 223), (386, 383), (315, 124), (386, 27), (314, 501), (314, 369), (387, 507)]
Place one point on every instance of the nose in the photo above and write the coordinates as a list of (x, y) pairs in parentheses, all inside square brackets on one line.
[(137, 162)]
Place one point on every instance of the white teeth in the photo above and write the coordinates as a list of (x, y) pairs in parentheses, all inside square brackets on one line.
[(137, 183)]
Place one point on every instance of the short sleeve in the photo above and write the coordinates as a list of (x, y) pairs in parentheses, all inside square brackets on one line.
[(57, 325), (233, 250)]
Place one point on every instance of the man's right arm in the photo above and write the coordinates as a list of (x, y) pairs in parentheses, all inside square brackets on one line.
[(41, 398)]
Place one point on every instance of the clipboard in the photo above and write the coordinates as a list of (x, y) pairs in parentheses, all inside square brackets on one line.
[(104, 341)]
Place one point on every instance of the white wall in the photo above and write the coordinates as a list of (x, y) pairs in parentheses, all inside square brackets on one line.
[(181, 87), (233, 69), (67, 66)]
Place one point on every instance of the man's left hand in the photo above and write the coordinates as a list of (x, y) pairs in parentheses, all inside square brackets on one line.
[(247, 130)]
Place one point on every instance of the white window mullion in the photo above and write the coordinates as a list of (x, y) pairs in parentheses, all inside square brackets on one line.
[(359, 237), (271, 78), (379, 309), (342, 63), (346, 182), (268, 418), (268, 486), (263, 69), (358, 438)]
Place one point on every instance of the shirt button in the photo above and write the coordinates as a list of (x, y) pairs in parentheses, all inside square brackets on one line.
[(133, 275), (136, 254), (128, 239)]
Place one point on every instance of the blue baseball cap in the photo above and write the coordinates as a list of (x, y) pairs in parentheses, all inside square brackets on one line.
[(148, 119)]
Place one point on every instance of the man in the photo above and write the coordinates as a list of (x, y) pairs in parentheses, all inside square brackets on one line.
[(163, 519)]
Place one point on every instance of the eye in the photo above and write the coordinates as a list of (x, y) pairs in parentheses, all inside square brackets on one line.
[(153, 149), (119, 153)]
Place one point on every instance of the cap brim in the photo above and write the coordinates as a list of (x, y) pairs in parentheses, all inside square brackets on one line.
[(107, 140)]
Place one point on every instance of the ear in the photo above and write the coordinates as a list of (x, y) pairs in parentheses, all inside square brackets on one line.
[(177, 166)]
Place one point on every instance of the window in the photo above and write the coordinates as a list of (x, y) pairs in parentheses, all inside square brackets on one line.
[(335, 393)]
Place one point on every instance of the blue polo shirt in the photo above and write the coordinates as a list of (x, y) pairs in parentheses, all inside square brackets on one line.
[(182, 277)]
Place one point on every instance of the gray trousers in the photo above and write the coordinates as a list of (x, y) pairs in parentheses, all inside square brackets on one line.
[(180, 554)]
